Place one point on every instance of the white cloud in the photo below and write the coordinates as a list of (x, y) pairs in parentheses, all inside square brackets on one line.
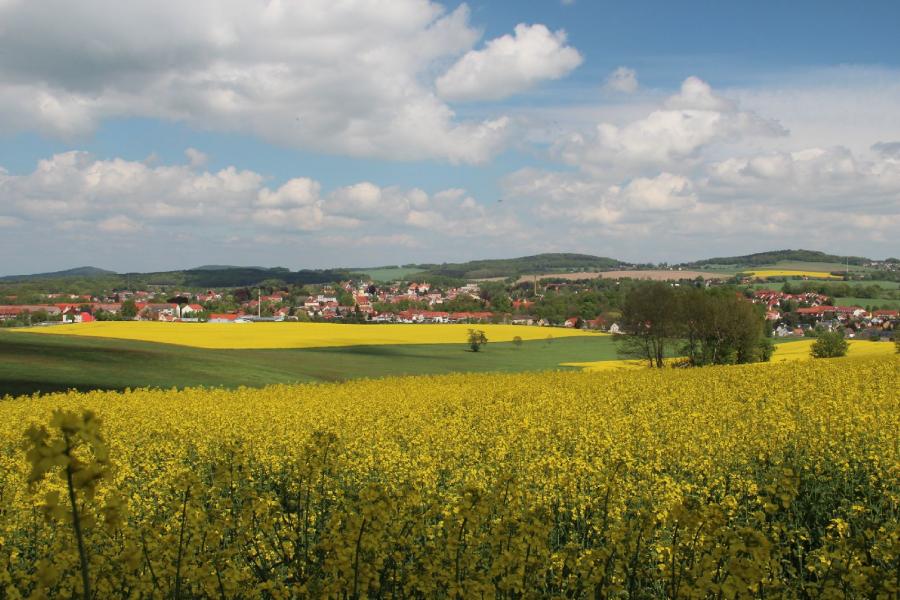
[(300, 191), (350, 78), (687, 123), (509, 64), (119, 224), (825, 178), (117, 201), (819, 197), (74, 184), (622, 80), (196, 158)]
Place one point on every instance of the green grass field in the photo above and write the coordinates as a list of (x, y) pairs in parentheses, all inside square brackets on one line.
[(873, 302), (814, 266), (788, 265), (48, 363), (777, 285)]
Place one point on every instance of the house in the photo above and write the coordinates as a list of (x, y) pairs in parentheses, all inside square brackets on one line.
[(886, 315), (73, 314), (522, 305), (571, 322), (190, 310), (598, 323), (470, 317), (151, 311), (13, 311), (615, 329), (223, 317)]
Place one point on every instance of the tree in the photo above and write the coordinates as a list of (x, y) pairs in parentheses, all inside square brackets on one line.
[(650, 320), (829, 344), (517, 342), (721, 327), (129, 309), (477, 339)]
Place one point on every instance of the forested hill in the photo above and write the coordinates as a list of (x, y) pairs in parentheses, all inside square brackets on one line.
[(84, 272), (193, 278), (774, 256), (511, 267)]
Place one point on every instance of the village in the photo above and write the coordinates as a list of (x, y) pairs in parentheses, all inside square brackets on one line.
[(787, 314), (795, 315), (413, 303)]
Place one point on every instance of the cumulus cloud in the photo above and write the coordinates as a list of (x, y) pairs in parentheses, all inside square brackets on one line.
[(349, 78), (622, 80), (822, 195), (76, 185), (689, 121), (821, 177), (102, 201), (509, 64)]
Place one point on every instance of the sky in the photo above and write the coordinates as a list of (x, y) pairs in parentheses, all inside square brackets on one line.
[(140, 136)]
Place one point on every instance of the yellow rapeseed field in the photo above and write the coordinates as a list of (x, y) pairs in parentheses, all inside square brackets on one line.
[(791, 273), (798, 350), (720, 482), (225, 336)]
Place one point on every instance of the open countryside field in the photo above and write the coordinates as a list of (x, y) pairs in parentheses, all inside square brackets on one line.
[(46, 363), (781, 272), (828, 267), (562, 484), (653, 275), (883, 303), (887, 285), (790, 265), (233, 336)]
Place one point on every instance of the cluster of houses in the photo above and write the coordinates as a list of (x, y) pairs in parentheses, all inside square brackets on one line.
[(86, 312), (409, 303), (321, 306), (811, 311)]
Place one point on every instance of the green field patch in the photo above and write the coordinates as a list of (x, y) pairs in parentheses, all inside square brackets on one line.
[(869, 302), (48, 363)]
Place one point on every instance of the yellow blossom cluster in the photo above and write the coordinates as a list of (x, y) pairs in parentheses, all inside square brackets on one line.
[(720, 482)]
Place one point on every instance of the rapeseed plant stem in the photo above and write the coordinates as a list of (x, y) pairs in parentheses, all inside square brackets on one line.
[(76, 521)]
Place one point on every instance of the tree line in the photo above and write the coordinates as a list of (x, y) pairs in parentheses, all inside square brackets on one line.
[(703, 326)]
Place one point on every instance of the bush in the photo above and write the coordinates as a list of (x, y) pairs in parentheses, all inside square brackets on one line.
[(829, 344)]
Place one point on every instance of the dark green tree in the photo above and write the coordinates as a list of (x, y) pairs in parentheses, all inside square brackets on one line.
[(829, 344), (129, 309)]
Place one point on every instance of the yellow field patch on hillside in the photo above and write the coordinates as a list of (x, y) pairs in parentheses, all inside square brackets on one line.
[(234, 336), (786, 352), (791, 273), (799, 350)]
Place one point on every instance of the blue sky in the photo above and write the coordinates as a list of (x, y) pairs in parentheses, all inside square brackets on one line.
[(161, 135)]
